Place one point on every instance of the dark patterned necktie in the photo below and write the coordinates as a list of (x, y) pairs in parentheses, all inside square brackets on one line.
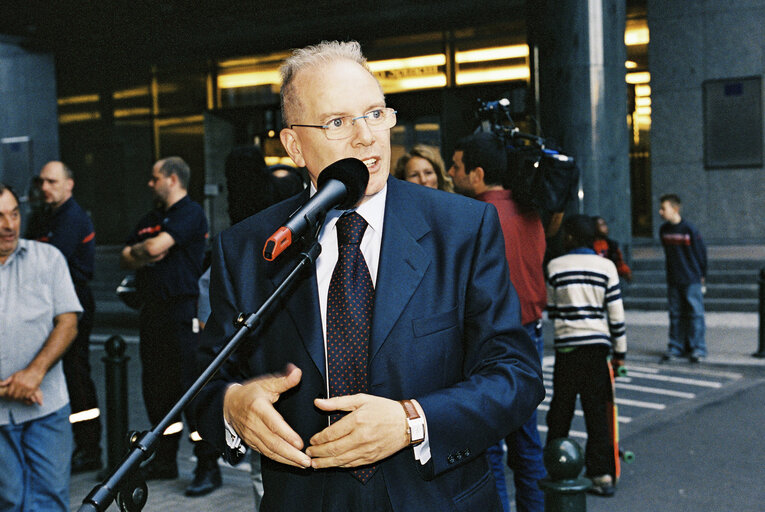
[(349, 319)]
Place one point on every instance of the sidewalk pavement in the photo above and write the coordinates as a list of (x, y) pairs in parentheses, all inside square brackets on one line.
[(732, 338)]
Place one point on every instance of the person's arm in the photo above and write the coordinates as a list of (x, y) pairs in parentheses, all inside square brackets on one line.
[(150, 250), (616, 324), (555, 222), (502, 382), (24, 385)]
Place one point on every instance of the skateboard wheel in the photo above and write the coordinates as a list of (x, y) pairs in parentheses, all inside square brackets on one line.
[(627, 456)]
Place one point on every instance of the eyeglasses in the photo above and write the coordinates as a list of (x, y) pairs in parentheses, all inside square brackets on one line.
[(342, 127)]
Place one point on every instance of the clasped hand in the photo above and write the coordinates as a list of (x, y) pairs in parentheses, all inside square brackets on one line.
[(23, 386), (373, 429)]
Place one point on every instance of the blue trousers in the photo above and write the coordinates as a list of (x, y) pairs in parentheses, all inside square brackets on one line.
[(524, 454), (36, 457), (686, 320)]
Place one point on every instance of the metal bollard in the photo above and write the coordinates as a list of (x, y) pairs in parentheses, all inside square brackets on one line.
[(564, 489), (115, 364), (761, 350)]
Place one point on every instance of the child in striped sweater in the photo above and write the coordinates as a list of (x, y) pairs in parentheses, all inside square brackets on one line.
[(585, 304)]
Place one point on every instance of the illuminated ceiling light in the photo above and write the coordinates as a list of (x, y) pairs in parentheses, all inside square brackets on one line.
[(427, 127), (641, 77), (630, 64), (136, 92), (170, 121), (79, 100), (249, 79), (643, 111), (497, 53), (413, 83), (79, 117), (421, 61), (636, 36), (498, 74), (642, 90), (252, 61), (271, 134), (643, 101), (127, 112)]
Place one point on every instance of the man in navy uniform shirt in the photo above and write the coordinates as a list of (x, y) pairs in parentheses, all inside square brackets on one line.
[(65, 225), (167, 251)]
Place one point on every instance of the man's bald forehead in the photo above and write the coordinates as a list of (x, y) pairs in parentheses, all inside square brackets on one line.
[(59, 168)]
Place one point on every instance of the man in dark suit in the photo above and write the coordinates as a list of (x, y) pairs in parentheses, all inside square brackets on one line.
[(445, 348)]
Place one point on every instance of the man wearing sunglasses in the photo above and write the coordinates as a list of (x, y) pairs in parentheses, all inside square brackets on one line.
[(380, 387)]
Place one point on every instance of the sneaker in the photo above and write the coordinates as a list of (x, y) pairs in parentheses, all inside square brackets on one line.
[(696, 359), (206, 479), (602, 485), (669, 356)]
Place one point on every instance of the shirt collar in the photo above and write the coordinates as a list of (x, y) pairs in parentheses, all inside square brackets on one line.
[(372, 210), (19, 251), (494, 194)]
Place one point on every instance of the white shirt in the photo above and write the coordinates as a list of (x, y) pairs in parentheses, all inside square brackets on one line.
[(373, 212)]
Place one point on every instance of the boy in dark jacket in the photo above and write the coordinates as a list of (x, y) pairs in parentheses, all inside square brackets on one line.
[(686, 262)]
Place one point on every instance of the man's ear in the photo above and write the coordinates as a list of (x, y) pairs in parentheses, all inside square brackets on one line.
[(477, 176), (291, 143)]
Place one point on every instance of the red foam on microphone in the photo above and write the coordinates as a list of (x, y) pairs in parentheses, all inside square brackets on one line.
[(276, 243)]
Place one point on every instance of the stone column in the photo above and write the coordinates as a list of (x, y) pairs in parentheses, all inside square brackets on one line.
[(583, 98)]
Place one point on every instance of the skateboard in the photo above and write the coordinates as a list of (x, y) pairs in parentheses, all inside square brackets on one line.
[(613, 423)]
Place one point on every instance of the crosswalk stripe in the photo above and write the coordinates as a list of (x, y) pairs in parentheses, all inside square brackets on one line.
[(656, 391), (644, 369), (678, 380), (622, 419), (640, 403)]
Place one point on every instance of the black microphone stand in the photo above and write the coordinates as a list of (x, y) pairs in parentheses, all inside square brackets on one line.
[(126, 482)]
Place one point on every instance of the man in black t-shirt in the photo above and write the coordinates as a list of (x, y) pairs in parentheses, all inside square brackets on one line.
[(166, 250), (65, 225)]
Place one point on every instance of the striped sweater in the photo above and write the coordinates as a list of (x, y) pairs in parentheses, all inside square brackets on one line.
[(585, 302)]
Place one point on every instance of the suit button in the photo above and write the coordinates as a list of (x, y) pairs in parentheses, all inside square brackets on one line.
[(450, 459), (459, 455), (467, 452)]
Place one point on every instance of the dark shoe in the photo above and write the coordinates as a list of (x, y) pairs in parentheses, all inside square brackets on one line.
[(602, 485), (206, 480), (669, 357), (83, 461), (156, 470), (695, 359)]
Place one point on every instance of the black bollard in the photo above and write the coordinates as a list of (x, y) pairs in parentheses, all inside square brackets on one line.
[(115, 363), (564, 489), (761, 350)]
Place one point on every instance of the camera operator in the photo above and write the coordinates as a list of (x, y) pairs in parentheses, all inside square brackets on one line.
[(479, 167)]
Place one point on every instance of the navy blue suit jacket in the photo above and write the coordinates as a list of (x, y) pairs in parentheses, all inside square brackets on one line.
[(446, 331)]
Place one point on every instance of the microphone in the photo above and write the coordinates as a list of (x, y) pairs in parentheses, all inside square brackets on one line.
[(340, 184)]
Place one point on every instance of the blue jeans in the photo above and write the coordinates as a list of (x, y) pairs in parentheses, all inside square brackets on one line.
[(686, 320), (36, 463), (524, 453)]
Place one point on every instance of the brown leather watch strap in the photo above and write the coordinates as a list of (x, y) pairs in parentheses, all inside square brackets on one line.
[(409, 409)]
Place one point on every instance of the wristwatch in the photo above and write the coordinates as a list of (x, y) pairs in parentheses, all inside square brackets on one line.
[(415, 424)]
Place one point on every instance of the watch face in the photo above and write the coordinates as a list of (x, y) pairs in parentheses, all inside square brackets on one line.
[(418, 429)]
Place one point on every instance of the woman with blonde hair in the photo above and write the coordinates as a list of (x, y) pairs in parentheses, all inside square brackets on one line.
[(423, 165)]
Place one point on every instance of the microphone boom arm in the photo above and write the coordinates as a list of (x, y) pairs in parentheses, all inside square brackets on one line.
[(124, 483)]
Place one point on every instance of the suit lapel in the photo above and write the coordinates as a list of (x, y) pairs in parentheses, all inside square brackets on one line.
[(402, 262), (303, 306)]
